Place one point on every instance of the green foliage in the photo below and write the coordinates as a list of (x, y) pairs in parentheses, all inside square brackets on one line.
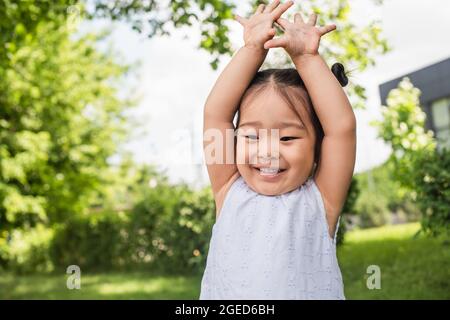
[(147, 241), (418, 165), (403, 127), (27, 250), (379, 181), (373, 210), (356, 46), (187, 231), (381, 195), (152, 18), (432, 186), (155, 18), (18, 19), (411, 267), (168, 230), (96, 241), (347, 210), (353, 45), (60, 120)]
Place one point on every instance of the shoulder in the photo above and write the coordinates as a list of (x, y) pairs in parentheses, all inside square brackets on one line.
[(222, 193)]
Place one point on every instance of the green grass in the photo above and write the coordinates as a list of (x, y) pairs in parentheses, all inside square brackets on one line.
[(411, 268), (101, 286)]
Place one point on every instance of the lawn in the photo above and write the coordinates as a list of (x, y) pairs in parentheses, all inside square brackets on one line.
[(411, 268)]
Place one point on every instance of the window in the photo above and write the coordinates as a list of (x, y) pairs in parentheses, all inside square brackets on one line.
[(440, 111)]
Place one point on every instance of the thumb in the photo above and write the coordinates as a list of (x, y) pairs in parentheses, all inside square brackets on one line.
[(275, 43)]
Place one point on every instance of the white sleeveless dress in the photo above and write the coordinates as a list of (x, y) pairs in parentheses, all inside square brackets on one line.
[(272, 247)]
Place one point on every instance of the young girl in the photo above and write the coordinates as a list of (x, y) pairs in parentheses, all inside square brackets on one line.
[(278, 203)]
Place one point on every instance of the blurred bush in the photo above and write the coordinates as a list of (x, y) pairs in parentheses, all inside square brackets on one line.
[(419, 165), (27, 250), (168, 230), (348, 210), (432, 183), (95, 242), (382, 199), (373, 210), (185, 232), (61, 118)]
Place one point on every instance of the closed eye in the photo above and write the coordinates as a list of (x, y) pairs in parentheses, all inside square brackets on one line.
[(251, 137), (288, 138)]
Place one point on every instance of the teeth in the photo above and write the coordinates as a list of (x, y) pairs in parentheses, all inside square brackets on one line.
[(268, 171)]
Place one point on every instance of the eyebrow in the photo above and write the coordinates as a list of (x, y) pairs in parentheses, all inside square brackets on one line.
[(282, 125)]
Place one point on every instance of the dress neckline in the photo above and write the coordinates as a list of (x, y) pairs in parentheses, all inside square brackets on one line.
[(286, 195)]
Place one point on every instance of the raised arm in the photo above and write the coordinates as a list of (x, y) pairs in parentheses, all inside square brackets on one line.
[(337, 160), (219, 111), (223, 100)]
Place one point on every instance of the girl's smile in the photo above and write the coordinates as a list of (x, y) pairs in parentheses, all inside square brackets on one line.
[(281, 160), (269, 174)]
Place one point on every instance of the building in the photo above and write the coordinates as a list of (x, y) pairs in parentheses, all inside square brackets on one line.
[(434, 83)]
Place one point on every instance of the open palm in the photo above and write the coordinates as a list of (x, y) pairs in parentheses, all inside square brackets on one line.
[(259, 27), (299, 38)]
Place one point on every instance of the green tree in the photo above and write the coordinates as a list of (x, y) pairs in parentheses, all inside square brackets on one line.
[(417, 163), (60, 121), (60, 117), (150, 17), (432, 180), (403, 128), (354, 45)]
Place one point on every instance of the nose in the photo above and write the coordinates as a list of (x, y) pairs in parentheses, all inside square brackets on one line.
[(268, 150), (266, 158)]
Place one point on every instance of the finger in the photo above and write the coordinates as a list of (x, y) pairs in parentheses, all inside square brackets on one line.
[(260, 8), (275, 43), (239, 19), (281, 9), (279, 27), (271, 32), (298, 18), (283, 23), (270, 7), (326, 29), (312, 19)]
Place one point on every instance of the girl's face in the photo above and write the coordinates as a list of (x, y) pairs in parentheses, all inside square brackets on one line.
[(275, 149)]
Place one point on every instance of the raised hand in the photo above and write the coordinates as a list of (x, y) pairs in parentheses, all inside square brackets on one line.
[(259, 27), (299, 38)]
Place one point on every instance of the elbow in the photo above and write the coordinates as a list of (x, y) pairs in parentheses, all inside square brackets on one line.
[(348, 122), (349, 125)]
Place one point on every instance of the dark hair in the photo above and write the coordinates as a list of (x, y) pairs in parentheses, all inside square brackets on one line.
[(281, 80)]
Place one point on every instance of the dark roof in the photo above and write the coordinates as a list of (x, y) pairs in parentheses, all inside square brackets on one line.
[(433, 82)]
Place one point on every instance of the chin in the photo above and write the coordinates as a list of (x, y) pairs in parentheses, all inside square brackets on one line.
[(265, 184)]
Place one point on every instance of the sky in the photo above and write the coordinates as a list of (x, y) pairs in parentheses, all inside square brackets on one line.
[(174, 80)]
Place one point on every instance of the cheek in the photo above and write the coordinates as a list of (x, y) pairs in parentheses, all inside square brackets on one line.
[(298, 154)]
